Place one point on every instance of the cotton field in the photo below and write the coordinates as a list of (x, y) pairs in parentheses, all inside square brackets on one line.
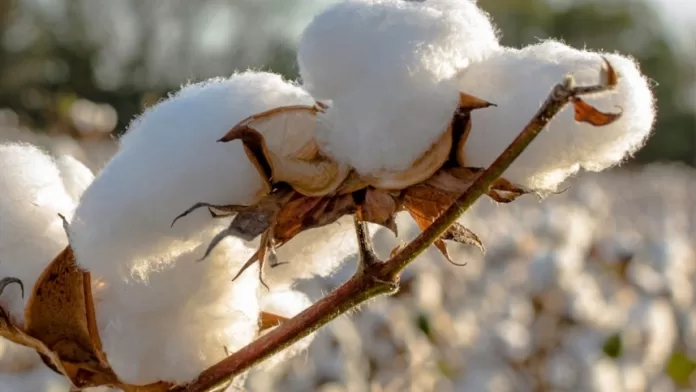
[(112, 276)]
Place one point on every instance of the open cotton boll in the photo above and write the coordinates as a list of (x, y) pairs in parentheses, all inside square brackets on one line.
[(355, 39), (169, 160), (518, 81), (76, 176), (389, 67), (31, 233), (183, 319)]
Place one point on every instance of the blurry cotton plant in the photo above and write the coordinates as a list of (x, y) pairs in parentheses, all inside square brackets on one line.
[(403, 106)]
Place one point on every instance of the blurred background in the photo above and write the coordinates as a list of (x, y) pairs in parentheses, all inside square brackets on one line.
[(593, 292)]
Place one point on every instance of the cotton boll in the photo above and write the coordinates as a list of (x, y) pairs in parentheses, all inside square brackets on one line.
[(31, 233), (518, 81), (169, 160), (357, 39), (184, 319), (76, 176), (161, 314), (389, 68)]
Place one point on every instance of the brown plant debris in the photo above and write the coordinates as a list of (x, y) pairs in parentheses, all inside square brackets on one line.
[(60, 325)]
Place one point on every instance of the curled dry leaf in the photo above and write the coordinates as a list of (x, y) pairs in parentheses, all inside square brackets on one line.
[(60, 326), (587, 113)]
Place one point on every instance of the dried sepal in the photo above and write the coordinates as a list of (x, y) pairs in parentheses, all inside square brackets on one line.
[(305, 213), (425, 203), (461, 235), (282, 146), (461, 125), (60, 325), (468, 102), (380, 207), (60, 313), (269, 320)]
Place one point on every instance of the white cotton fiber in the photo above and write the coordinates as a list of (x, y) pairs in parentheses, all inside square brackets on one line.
[(162, 315), (17, 358), (184, 319), (316, 252), (367, 39), (31, 233), (389, 67), (37, 379), (287, 303), (76, 176), (518, 81), (169, 160)]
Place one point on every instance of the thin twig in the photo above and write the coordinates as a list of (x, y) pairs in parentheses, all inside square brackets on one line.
[(383, 278)]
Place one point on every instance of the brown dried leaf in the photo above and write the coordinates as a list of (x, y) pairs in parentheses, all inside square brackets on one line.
[(462, 235), (459, 179), (587, 113), (425, 203)]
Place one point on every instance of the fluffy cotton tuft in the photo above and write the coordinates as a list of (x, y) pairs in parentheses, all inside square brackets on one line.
[(76, 176), (357, 39), (286, 303), (389, 67), (316, 252), (161, 314), (37, 379), (169, 160), (184, 319), (518, 81), (31, 233)]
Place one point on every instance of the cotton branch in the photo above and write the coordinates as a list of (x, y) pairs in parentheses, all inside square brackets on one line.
[(383, 278)]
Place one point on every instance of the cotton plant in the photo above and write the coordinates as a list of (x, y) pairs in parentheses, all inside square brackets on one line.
[(404, 107)]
